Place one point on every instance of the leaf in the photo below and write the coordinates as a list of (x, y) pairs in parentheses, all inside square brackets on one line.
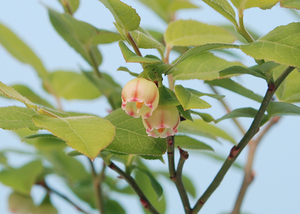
[(113, 207), (45, 207), (145, 185), (66, 167), (184, 113), (107, 86), (79, 35), (71, 85), (12, 93), (200, 94), (236, 70), (235, 87), (114, 185), (21, 179), (105, 37), (45, 142), (192, 33), (129, 56), (189, 100), (87, 134), (28, 93), (289, 90), (144, 40), (121, 68), (201, 128), (20, 203), (245, 4), (281, 45), (167, 97), (70, 5), (154, 183), (240, 112), (224, 8), (13, 117), (206, 117), (201, 49), (131, 137), (179, 4), (295, 4), (125, 16), (281, 108), (205, 66), (17, 48), (186, 142), (160, 8)]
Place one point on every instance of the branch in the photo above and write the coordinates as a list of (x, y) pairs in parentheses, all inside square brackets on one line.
[(133, 44), (236, 150), (145, 202), (97, 188), (249, 174), (171, 161), (50, 190)]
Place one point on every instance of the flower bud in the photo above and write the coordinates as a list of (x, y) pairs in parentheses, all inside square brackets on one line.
[(140, 97), (163, 122)]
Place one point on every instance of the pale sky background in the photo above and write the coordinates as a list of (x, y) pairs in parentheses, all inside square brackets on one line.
[(275, 188)]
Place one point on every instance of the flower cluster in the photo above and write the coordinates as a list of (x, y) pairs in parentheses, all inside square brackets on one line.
[(140, 97)]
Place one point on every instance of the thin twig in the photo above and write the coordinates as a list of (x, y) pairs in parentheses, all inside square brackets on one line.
[(248, 172), (50, 190), (179, 184), (68, 6), (170, 151), (236, 150), (97, 188), (144, 200)]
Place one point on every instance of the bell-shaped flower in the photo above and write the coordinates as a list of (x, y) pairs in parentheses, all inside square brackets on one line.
[(163, 122), (140, 97)]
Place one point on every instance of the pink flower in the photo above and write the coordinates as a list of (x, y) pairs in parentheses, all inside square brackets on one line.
[(163, 122), (140, 97)]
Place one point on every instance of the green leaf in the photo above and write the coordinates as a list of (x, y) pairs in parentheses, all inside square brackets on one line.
[(71, 85), (27, 92), (114, 185), (200, 94), (131, 137), (130, 56), (13, 117), (240, 112), (184, 113), (145, 185), (21, 179), (192, 33), (87, 134), (66, 167), (186, 142), (105, 37), (20, 203), (189, 100), (144, 39), (154, 183), (245, 4), (12, 93), (181, 4), (281, 45), (235, 87), (107, 86), (204, 66), (20, 50), (281, 108), (201, 128), (167, 97), (206, 117), (295, 4), (45, 207), (113, 207), (79, 35), (201, 49), (125, 16), (70, 5), (121, 68), (45, 142), (224, 8), (236, 70), (160, 8), (289, 90)]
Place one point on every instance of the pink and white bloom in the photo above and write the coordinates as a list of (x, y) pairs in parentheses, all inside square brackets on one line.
[(163, 122), (140, 97)]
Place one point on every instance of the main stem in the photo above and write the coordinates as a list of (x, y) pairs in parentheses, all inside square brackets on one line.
[(236, 150)]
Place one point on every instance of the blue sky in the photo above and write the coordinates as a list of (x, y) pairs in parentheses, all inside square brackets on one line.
[(275, 188)]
